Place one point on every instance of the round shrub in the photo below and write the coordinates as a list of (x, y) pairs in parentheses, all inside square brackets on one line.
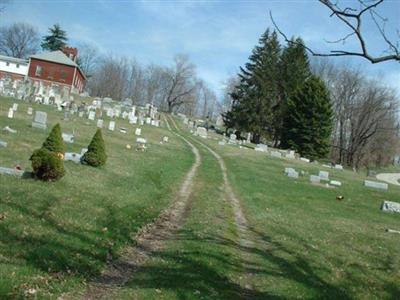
[(47, 165), (54, 141), (96, 155)]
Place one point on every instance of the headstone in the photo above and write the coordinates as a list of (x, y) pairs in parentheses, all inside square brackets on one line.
[(148, 120), (327, 166), (30, 111), (375, 184), (80, 114), (111, 126), (70, 156), (10, 130), (390, 206), (290, 154), (304, 159), (276, 154), (124, 115), (315, 179), (222, 143), (68, 138), (83, 151), (165, 139), (141, 144), (232, 138), (99, 123), (92, 115), (323, 175), (10, 113), (287, 170), (335, 183), (138, 131), (15, 107), (338, 167), (261, 148), (40, 120), (3, 144), (202, 132), (12, 172), (122, 130), (293, 174)]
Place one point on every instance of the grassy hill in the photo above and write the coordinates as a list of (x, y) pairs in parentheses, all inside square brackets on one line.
[(55, 235), (306, 243)]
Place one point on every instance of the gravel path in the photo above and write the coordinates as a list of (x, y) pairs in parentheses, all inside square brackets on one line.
[(392, 178)]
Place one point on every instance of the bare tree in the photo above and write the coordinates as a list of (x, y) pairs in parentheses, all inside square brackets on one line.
[(352, 18), (87, 58), (181, 82), (19, 40)]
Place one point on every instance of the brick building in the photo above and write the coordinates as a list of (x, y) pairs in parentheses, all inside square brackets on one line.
[(57, 67)]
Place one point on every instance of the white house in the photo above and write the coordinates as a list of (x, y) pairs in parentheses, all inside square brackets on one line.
[(12, 67)]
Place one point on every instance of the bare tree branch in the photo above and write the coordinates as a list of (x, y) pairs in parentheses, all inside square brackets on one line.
[(352, 18)]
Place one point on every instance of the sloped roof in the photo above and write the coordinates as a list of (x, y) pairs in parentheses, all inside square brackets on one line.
[(57, 57), (14, 59)]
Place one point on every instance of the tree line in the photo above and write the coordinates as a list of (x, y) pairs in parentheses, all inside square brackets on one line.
[(319, 109)]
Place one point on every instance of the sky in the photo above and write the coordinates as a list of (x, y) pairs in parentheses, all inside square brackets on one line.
[(218, 36)]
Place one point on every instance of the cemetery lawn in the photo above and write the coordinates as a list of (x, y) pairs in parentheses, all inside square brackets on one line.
[(55, 236), (308, 244)]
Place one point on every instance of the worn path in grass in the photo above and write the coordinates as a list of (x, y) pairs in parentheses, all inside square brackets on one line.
[(245, 236), (149, 239)]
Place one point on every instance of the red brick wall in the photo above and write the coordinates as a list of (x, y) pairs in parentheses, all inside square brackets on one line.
[(57, 73)]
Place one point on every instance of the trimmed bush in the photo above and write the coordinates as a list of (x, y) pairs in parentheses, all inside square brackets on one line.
[(96, 155), (47, 165), (54, 141)]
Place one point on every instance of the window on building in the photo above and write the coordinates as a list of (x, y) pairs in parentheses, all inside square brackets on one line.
[(51, 73), (7, 64), (17, 66), (38, 71), (63, 75)]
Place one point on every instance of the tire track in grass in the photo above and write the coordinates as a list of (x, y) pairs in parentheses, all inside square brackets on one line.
[(240, 220), (150, 238)]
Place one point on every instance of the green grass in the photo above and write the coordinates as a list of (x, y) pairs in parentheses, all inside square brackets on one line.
[(308, 244), (54, 236)]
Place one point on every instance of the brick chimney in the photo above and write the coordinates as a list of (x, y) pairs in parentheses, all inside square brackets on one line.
[(71, 52)]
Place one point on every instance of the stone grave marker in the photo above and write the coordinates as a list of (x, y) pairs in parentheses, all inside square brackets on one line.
[(100, 123), (68, 138), (70, 156), (335, 183), (138, 131), (232, 138), (10, 113), (323, 175), (202, 132), (122, 130), (30, 111), (148, 120), (276, 154), (290, 154), (304, 159), (338, 167), (390, 206), (376, 184), (315, 179), (15, 107), (261, 148), (80, 114), (293, 174), (111, 126), (40, 120), (165, 139), (92, 115), (3, 144)]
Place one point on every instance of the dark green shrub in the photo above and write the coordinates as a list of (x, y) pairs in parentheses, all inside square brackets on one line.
[(96, 155), (54, 141), (47, 165)]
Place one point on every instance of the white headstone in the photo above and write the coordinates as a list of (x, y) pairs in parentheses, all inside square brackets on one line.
[(15, 107), (70, 156), (276, 154), (40, 120), (292, 173), (304, 159), (91, 115), (80, 114), (148, 120), (111, 126), (315, 179), (165, 139), (391, 206), (202, 132), (138, 131), (99, 123), (30, 111), (261, 148), (338, 167), (323, 175), (10, 113), (68, 138), (376, 184), (335, 183)]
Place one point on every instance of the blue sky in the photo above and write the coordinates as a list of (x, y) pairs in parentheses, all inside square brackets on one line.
[(218, 36)]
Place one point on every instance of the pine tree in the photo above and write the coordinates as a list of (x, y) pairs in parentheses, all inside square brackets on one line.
[(258, 91), (54, 141), (56, 40), (295, 70), (309, 119), (96, 154)]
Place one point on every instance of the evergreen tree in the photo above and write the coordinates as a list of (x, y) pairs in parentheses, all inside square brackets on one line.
[(309, 119), (96, 154), (258, 91), (56, 40), (295, 70), (54, 141)]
